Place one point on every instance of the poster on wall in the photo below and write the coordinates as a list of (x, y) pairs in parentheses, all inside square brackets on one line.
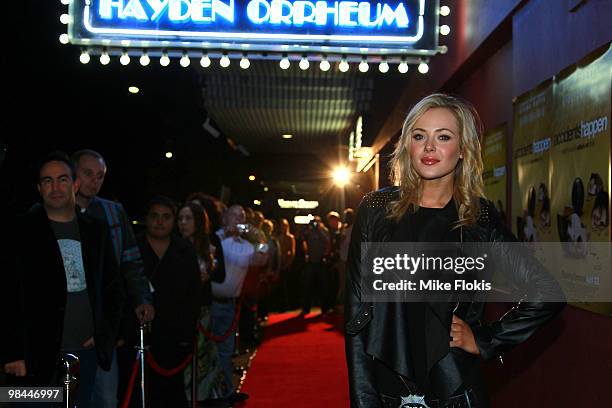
[(561, 185), (494, 174)]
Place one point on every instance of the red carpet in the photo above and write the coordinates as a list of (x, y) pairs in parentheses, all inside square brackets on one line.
[(299, 364)]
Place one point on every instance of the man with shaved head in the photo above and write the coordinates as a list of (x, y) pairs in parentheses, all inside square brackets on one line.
[(239, 254)]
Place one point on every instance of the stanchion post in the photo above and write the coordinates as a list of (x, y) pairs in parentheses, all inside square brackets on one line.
[(141, 356), (70, 363), (194, 376)]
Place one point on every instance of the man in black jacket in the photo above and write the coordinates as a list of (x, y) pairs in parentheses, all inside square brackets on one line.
[(67, 292)]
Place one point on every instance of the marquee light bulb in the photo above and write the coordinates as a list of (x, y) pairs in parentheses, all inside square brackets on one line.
[(205, 61), (84, 58), (284, 63), (423, 68), (64, 19), (125, 58), (164, 61), (225, 61), (304, 64), (104, 58), (185, 61), (324, 65), (145, 60), (383, 67), (402, 67), (64, 39), (363, 66), (343, 66), (444, 30), (245, 63), (444, 11)]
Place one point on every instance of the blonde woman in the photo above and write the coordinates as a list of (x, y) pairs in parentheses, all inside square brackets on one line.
[(427, 354)]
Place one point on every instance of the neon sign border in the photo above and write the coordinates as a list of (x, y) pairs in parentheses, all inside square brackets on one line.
[(258, 36)]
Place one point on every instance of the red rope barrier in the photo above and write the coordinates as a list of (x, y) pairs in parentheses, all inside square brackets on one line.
[(228, 332), (130, 389), (165, 372)]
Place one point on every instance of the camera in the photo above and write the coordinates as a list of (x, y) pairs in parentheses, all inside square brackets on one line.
[(242, 228), (262, 248)]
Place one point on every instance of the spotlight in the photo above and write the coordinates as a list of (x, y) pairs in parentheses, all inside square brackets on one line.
[(341, 176)]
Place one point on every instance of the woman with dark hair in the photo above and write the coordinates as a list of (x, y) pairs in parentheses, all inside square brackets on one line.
[(194, 225), (426, 353), (171, 265)]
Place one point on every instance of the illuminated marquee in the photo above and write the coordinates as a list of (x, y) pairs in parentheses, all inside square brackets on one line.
[(262, 24)]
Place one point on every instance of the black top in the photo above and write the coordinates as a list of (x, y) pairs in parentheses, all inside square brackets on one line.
[(426, 225)]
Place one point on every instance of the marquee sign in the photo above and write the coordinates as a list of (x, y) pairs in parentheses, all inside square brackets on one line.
[(363, 27)]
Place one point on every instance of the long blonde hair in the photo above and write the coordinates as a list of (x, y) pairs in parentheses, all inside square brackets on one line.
[(468, 184)]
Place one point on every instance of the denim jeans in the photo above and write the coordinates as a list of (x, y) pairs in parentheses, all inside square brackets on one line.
[(105, 386), (222, 318)]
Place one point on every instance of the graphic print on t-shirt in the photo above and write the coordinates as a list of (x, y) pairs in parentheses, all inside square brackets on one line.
[(73, 264)]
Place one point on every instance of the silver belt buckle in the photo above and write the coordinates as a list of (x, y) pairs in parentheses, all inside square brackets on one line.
[(413, 401)]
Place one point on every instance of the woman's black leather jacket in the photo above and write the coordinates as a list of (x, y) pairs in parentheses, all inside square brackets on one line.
[(368, 335)]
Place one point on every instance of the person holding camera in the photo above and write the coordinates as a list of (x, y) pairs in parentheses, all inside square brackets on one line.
[(315, 278), (239, 254)]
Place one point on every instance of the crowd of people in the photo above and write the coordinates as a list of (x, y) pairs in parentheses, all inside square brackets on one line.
[(192, 277)]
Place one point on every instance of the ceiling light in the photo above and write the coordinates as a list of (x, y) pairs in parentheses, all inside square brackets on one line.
[(169, 155), (224, 61), (287, 136), (252, 177), (266, 189), (257, 202), (304, 64), (133, 89)]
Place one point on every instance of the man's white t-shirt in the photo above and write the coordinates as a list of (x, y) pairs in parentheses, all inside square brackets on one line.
[(237, 254)]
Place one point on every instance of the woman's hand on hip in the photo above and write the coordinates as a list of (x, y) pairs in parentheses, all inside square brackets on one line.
[(462, 336)]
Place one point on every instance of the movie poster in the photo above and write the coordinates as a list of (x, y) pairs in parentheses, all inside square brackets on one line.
[(561, 185), (494, 174)]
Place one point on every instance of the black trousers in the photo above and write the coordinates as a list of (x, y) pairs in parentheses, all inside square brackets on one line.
[(315, 280)]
